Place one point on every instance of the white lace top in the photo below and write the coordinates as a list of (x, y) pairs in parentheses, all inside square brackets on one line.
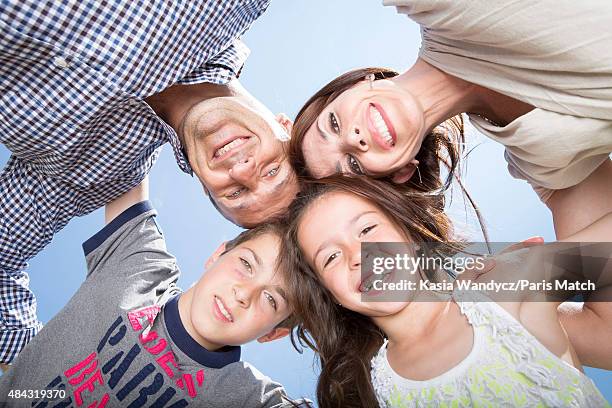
[(507, 367)]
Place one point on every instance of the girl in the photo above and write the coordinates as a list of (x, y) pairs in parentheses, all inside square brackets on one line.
[(533, 76), (416, 353)]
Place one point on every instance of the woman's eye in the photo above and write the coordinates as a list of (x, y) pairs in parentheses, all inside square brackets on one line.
[(270, 300), (331, 258), (354, 165), (236, 193), (247, 265), (366, 230), (273, 172), (333, 123)]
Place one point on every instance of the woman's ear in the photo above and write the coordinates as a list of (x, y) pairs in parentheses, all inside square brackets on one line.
[(213, 258), (276, 333), (405, 173), (285, 122)]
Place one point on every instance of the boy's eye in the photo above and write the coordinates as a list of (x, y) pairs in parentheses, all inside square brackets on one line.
[(366, 230), (247, 265), (270, 300), (354, 165), (331, 258), (333, 123)]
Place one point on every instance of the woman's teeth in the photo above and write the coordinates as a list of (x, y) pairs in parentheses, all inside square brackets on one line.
[(223, 310), (234, 143), (381, 126)]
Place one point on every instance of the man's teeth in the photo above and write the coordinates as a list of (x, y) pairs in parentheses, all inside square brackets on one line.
[(381, 126), (234, 143), (224, 311)]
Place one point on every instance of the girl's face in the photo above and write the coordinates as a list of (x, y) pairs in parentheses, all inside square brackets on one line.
[(330, 234), (374, 131)]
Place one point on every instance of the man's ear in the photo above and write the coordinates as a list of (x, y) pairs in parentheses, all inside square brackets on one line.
[(213, 258), (405, 173), (285, 122), (274, 334)]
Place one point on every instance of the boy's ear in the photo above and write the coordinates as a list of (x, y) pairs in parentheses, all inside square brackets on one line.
[(285, 122), (213, 258), (274, 334), (405, 173)]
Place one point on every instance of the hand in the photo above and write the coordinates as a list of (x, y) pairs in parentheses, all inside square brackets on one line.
[(4, 367), (489, 263)]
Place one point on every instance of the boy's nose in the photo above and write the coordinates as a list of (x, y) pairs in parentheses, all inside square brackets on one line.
[(242, 297)]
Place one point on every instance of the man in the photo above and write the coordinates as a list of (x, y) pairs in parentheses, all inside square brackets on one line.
[(89, 92)]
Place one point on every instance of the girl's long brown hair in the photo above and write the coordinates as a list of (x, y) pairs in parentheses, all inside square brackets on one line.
[(346, 341)]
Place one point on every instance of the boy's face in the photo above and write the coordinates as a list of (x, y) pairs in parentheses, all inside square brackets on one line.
[(240, 297)]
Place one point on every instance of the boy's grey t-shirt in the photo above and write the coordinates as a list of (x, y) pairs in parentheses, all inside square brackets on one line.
[(119, 341)]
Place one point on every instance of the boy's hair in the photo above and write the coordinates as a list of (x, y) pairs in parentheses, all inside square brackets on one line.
[(272, 227)]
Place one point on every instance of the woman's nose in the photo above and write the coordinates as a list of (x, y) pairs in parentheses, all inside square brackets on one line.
[(356, 138)]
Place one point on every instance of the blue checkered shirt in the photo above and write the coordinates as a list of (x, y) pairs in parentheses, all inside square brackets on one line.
[(73, 75)]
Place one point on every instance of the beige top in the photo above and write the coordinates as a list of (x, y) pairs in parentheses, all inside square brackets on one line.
[(553, 54)]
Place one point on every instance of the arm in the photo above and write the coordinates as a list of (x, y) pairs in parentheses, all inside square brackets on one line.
[(124, 201), (575, 208), (589, 325)]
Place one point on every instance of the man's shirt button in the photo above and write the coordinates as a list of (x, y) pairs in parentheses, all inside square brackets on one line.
[(60, 62)]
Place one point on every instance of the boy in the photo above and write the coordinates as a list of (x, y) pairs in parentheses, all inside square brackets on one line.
[(126, 339)]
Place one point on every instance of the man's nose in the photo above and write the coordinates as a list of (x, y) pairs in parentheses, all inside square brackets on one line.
[(244, 172), (356, 139)]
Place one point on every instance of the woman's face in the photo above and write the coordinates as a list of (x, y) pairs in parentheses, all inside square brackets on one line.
[(330, 234), (374, 131)]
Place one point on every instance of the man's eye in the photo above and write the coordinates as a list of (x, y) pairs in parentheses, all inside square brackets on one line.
[(331, 258), (333, 123), (354, 165), (273, 172), (270, 300), (236, 193), (366, 230), (247, 265)]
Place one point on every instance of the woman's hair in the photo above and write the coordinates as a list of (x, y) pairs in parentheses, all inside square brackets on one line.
[(443, 144), (346, 341)]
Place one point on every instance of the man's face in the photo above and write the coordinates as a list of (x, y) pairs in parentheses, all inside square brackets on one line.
[(240, 297), (235, 149)]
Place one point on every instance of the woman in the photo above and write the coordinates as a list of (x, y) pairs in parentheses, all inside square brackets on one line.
[(432, 353), (534, 76)]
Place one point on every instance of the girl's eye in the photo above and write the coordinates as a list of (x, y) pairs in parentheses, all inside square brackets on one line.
[(270, 300), (354, 165), (366, 230), (247, 265), (333, 123), (273, 172), (331, 258), (236, 193)]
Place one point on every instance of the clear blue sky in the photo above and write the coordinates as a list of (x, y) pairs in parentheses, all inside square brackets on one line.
[(297, 46)]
